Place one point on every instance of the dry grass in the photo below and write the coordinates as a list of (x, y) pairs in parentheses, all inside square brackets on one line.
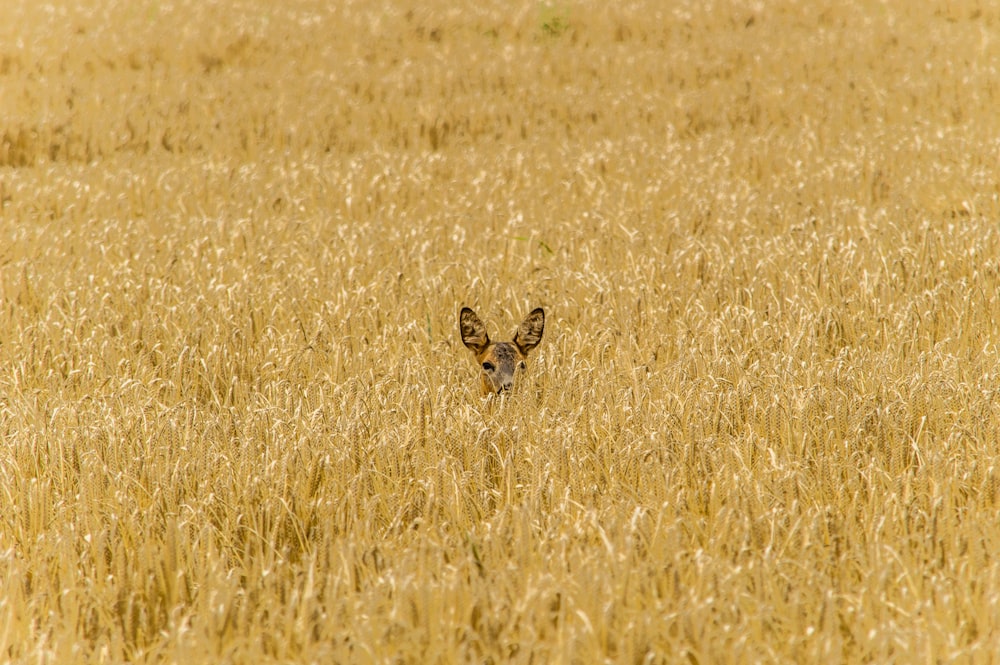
[(238, 423)]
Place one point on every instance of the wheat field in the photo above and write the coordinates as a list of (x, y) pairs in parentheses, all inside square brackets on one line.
[(238, 422)]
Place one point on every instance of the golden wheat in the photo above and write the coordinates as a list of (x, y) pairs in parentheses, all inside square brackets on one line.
[(238, 421)]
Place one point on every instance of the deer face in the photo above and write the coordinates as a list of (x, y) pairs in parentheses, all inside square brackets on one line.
[(500, 362)]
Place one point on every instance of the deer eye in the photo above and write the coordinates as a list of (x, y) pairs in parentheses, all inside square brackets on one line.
[(488, 366)]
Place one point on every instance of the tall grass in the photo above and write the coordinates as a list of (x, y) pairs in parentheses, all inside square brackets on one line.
[(238, 422)]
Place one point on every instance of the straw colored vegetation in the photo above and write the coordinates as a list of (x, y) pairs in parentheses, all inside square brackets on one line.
[(239, 424)]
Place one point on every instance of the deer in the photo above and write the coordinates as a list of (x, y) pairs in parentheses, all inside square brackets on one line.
[(501, 362)]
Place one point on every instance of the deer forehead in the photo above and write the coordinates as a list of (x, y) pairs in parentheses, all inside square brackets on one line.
[(502, 354)]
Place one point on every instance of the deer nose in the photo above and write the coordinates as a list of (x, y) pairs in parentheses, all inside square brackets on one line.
[(507, 385)]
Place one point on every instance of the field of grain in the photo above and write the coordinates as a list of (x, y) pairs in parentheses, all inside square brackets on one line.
[(238, 423)]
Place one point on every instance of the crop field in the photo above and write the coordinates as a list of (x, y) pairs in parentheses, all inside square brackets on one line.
[(238, 421)]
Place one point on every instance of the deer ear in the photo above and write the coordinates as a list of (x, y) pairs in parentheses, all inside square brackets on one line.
[(473, 331), (529, 333)]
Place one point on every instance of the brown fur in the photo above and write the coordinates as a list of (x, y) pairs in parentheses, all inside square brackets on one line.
[(500, 362)]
